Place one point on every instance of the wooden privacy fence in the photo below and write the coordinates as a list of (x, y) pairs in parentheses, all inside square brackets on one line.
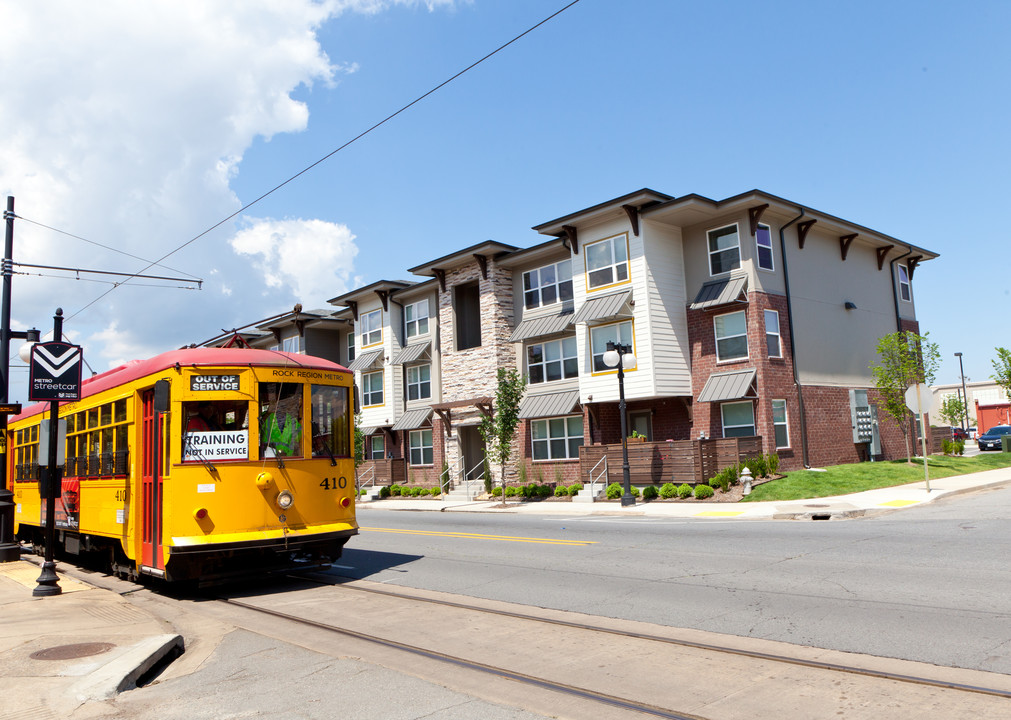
[(676, 461), (387, 470)]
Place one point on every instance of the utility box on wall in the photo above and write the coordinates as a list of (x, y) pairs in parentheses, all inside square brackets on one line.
[(864, 417)]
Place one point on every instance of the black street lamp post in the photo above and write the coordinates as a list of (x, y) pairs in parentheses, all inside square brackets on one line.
[(621, 356), (965, 397)]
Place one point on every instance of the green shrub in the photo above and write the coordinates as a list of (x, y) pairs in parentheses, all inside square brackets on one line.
[(724, 478), (395, 490), (702, 492), (684, 490), (759, 466), (496, 491), (436, 491), (946, 446), (635, 491), (772, 462), (417, 491), (650, 492), (614, 491), (960, 447), (668, 491), (561, 491), (544, 491), (574, 488), (384, 491), (512, 491)]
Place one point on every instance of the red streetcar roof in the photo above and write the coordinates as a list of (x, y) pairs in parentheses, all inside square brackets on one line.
[(191, 357)]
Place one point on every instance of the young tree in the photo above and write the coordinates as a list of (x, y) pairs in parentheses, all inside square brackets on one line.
[(952, 410), (1002, 369), (904, 359), (498, 429)]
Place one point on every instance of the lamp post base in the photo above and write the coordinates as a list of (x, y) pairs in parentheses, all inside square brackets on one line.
[(48, 582), (627, 499)]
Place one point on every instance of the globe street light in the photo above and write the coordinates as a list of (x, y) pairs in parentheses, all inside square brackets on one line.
[(622, 357), (965, 398)]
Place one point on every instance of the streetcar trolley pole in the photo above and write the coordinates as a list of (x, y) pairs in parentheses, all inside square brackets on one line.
[(55, 375)]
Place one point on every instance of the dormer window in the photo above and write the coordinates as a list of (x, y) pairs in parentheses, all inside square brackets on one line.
[(724, 250), (547, 285), (372, 328), (607, 262)]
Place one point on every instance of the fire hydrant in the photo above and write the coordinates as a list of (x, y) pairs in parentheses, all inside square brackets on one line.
[(746, 480)]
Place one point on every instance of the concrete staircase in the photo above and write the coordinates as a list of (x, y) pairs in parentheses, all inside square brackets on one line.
[(461, 493), (588, 496)]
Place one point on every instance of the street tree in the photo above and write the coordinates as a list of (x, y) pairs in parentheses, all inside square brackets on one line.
[(499, 428), (904, 359), (952, 410), (1002, 369)]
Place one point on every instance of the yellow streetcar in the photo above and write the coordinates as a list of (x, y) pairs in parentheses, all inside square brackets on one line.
[(198, 464)]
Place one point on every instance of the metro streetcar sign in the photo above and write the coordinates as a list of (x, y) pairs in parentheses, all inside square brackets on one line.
[(55, 372)]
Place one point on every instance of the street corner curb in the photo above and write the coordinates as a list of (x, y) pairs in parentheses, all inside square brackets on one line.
[(123, 672)]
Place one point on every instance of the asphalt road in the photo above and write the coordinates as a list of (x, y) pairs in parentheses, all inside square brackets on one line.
[(930, 584)]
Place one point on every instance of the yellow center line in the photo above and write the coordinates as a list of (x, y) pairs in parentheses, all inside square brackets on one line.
[(475, 536)]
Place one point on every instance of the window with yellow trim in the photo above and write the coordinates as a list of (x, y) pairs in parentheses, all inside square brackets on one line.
[(607, 262)]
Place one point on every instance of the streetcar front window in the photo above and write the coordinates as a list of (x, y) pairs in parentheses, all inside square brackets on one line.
[(215, 430), (280, 419), (331, 421)]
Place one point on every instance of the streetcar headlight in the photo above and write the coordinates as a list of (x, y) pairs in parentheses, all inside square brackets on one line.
[(285, 499)]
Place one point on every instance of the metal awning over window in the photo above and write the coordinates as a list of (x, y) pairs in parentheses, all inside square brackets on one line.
[(722, 292), (413, 419), (605, 308), (551, 405), (732, 385), (365, 360), (542, 326), (411, 353), (366, 431)]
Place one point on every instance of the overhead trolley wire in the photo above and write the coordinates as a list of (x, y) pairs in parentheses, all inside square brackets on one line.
[(329, 155)]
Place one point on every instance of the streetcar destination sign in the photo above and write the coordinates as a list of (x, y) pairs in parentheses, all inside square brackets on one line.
[(55, 372), (205, 383)]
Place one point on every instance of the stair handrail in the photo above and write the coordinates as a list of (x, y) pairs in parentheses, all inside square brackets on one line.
[(602, 474), (445, 478), (468, 479)]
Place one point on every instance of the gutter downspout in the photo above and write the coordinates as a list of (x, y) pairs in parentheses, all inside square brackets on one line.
[(793, 340), (895, 289)]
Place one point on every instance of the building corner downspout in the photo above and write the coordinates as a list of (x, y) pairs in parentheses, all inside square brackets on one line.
[(793, 341)]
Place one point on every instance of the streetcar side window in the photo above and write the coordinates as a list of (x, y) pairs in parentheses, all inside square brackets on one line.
[(215, 430), (26, 454), (98, 442), (280, 419), (331, 421)]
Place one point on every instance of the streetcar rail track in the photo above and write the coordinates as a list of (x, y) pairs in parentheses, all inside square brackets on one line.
[(740, 652)]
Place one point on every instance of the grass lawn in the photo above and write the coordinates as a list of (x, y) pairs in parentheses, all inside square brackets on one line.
[(845, 479)]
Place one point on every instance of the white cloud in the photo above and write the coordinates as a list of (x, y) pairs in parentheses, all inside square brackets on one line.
[(310, 259), (125, 123)]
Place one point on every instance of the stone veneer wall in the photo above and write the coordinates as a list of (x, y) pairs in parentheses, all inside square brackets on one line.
[(473, 372)]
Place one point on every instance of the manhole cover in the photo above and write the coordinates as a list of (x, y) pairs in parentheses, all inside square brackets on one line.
[(70, 652)]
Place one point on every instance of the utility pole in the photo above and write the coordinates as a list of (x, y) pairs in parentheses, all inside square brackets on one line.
[(9, 549)]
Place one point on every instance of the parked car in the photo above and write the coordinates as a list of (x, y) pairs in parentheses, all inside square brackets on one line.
[(959, 434), (990, 440)]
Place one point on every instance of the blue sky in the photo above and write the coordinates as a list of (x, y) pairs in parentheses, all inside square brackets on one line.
[(141, 126)]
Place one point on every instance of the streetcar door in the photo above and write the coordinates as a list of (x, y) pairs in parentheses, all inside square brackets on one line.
[(151, 479)]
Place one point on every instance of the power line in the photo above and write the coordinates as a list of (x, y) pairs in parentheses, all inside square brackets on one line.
[(326, 157)]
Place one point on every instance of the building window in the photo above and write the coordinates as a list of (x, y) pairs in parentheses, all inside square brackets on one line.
[(642, 423), (372, 328), (419, 382), (607, 262), (779, 424), (419, 444), (763, 247), (372, 389), (731, 336), (724, 250), (619, 333), (376, 448), (772, 338), (738, 419), (416, 318), (556, 438), (554, 360), (904, 290), (351, 347), (467, 311), (548, 285), (291, 344)]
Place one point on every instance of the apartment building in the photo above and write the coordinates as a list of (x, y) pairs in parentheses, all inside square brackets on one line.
[(748, 316)]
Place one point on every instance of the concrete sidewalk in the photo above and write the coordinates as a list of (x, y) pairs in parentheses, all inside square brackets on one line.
[(826, 508)]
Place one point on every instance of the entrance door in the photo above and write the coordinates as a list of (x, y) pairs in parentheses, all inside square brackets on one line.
[(151, 485), (472, 448)]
